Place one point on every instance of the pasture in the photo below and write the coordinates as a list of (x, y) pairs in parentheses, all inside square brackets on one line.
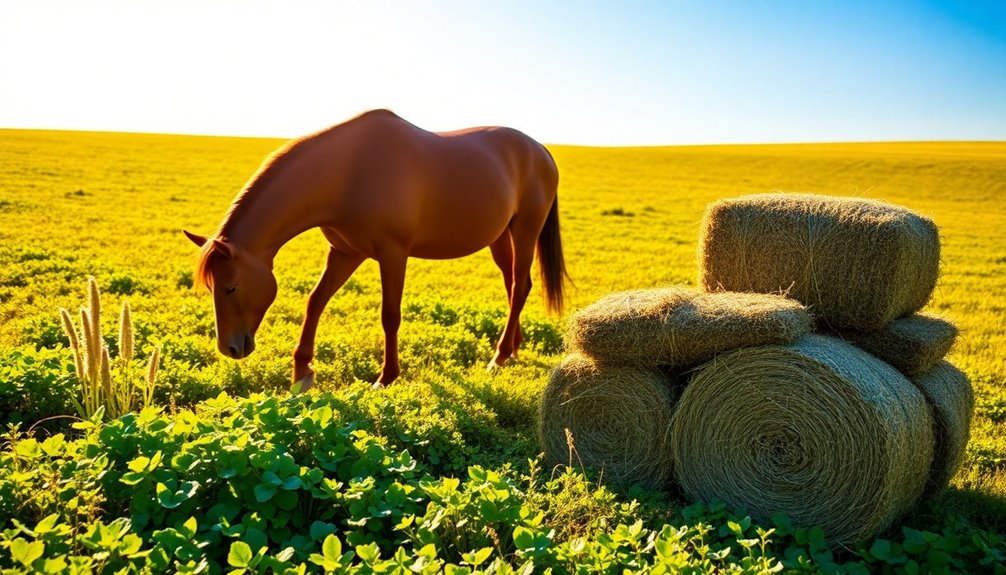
[(113, 206)]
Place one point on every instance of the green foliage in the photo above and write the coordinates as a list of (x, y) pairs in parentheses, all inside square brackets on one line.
[(125, 284), (436, 473), (263, 484), (35, 385)]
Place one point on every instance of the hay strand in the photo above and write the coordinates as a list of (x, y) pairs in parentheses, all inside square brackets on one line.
[(819, 430), (681, 326), (611, 419), (952, 403), (857, 263), (913, 344)]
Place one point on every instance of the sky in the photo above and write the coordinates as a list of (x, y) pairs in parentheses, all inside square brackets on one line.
[(588, 72)]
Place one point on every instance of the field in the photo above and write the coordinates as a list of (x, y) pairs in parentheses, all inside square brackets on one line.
[(113, 206)]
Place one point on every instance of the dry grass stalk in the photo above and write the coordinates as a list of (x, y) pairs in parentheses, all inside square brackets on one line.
[(94, 312), (148, 391), (611, 419), (819, 430), (71, 334), (106, 384), (90, 351), (913, 344), (125, 333), (952, 403), (857, 263), (681, 326)]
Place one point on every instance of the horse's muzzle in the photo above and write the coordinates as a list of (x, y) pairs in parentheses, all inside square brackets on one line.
[(241, 346)]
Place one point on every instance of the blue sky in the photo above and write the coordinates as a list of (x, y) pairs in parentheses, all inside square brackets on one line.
[(596, 73)]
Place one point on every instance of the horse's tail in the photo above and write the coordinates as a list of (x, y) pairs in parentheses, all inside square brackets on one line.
[(551, 263)]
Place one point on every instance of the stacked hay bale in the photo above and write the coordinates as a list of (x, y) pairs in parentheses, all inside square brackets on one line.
[(847, 428), (865, 269), (608, 405)]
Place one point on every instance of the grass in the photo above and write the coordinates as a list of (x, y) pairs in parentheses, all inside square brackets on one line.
[(113, 206)]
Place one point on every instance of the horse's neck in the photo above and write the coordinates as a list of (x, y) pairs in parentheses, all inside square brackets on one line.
[(266, 218)]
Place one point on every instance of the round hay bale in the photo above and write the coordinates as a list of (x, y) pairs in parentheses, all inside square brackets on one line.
[(913, 344), (614, 419), (681, 326), (952, 403), (857, 263), (819, 430)]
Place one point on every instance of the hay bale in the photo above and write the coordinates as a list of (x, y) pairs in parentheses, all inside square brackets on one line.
[(680, 326), (952, 403), (819, 430), (913, 344), (618, 418), (857, 263)]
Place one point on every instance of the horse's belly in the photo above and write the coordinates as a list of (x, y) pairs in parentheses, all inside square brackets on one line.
[(457, 221), (455, 241)]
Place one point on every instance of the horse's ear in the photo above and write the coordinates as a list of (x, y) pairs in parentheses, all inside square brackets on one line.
[(196, 238), (223, 248)]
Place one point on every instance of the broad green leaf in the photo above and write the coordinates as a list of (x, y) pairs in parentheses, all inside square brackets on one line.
[(523, 537), (331, 548), (264, 493), (189, 527), (735, 528), (320, 529), (479, 557), (47, 524), (881, 549), (165, 496), (139, 464), (271, 479), (240, 554), (25, 553), (130, 545), (368, 553)]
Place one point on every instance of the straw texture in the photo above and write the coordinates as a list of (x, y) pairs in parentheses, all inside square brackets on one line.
[(913, 344), (680, 326), (952, 403), (617, 417), (819, 430), (857, 263)]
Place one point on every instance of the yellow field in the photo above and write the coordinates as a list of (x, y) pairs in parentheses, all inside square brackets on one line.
[(113, 206)]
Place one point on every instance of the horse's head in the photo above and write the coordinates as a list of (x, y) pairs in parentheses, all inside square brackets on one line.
[(243, 288)]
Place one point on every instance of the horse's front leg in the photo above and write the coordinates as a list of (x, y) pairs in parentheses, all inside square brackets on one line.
[(337, 270), (392, 286)]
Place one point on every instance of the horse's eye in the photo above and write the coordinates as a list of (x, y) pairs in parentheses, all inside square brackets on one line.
[(232, 289)]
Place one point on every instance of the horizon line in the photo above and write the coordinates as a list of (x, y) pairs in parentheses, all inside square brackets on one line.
[(562, 144)]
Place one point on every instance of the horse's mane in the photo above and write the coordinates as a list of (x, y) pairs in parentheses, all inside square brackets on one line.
[(270, 169), (209, 255)]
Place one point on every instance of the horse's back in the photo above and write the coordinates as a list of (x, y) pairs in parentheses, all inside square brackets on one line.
[(483, 153), (442, 195)]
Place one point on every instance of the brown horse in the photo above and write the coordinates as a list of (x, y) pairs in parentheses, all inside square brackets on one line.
[(382, 188)]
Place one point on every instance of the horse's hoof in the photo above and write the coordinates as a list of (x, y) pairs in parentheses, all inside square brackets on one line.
[(493, 365), (303, 384), (377, 385), (515, 354)]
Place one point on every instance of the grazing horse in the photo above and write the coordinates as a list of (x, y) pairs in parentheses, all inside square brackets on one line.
[(380, 187)]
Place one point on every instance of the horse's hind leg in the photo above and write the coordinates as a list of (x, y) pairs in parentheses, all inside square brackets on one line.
[(392, 285), (524, 233), (502, 251), (337, 270)]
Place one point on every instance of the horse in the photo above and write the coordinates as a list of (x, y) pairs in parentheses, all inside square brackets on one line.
[(382, 188)]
